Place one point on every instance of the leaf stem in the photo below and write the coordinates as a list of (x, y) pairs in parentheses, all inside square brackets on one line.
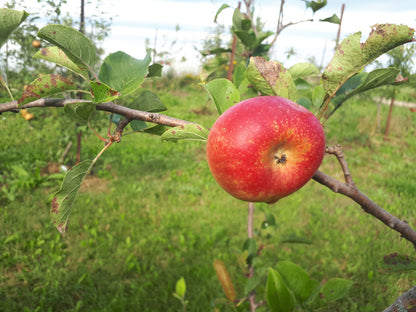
[(7, 88), (95, 132), (107, 145)]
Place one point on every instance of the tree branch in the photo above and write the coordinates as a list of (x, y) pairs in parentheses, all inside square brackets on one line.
[(405, 303), (350, 190), (280, 26), (128, 113)]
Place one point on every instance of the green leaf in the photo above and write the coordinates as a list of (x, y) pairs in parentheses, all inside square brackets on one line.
[(186, 132), (9, 22), (240, 21), (155, 70), (279, 298), (303, 70), (296, 279), (224, 93), (248, 38), (45, 85), (335, 289), (75, 45), (395, 262), (363, 82), (295, 239), (124, 73), (302, 84), (79, 112), (216, 51), (315, 5), (65, 196), (180, 288), (334, 19), (223, 7), (352, 56), (102, 93), (138, 125), (318, 96), (156, 130), (57, 56), (239, 75), (270, 219), (271, 78), (148, 102), (305, 102), (255, 280), (250, 245)]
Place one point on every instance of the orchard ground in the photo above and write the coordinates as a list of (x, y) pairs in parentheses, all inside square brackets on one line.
[(151, 213)]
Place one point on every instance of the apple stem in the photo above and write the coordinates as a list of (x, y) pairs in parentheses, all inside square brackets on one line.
[(250, 217), (250, 220)]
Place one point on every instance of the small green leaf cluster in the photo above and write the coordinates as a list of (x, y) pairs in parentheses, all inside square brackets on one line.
[(284, 286), (289, 286), (180, 291)]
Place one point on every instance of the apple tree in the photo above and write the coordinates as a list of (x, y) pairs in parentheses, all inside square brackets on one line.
[(262, 82)]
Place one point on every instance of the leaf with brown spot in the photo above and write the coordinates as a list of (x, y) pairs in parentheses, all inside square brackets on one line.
[(73, 43), (102, 92), (190, 131), (396, 262), (351, 56), (63, 199), (9, 22), (44, 86), (223, 93), (271, 78), (57, 56)]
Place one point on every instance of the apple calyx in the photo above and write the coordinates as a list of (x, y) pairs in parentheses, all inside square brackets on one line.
[(280, 159)]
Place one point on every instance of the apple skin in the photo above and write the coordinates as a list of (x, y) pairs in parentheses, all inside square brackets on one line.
[(265, 148)]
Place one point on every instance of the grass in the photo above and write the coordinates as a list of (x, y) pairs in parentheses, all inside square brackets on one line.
[(151, 213)]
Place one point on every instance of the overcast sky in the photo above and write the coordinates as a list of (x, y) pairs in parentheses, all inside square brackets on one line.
[(135, 21)]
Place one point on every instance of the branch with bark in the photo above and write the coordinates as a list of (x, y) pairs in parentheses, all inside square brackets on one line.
[(349, 189)]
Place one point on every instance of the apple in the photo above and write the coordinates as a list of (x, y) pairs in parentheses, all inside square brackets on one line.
[(36, 44), (265, 148)]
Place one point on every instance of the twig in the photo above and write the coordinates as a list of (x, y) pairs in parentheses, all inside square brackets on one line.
[(280, 26), (65, 153), (337, 151), (248, 4), (350, 190), (119, 130)]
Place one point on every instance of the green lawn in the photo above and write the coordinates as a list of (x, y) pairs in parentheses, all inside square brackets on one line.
[(151, 213)]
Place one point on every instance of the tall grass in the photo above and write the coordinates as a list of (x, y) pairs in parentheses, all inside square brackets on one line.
[(151, 213)]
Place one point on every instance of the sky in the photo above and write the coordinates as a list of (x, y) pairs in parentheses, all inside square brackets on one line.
[(138, 21)]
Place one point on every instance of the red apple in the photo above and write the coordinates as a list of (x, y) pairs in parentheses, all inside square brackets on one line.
[(265, 148)]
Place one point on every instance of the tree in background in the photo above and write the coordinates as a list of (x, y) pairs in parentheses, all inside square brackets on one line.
[(17, 63), (248, 38), (402, 59)]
